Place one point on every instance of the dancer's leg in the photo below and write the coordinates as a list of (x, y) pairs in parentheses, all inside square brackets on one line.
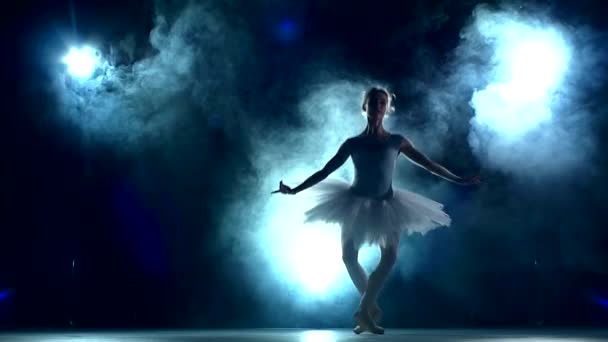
[(350, 256), (378, 277), (375, 283), (357, 274)]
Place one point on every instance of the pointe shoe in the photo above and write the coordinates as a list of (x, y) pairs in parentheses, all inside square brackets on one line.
[(378, 330), (358, 330), (365, 323)]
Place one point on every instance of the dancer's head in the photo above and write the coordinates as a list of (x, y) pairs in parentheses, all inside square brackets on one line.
[(377, 103)]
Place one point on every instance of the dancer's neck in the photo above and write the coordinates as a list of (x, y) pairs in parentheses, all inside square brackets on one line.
[(375, 131)]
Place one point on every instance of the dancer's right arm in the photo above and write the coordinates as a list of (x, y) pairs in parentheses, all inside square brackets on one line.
[(332, 165)]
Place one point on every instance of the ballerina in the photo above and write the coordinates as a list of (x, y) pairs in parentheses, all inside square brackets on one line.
[(369, 210)]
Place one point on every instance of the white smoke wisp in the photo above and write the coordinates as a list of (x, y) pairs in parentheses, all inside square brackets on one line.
[(142, 101), (525, 72)]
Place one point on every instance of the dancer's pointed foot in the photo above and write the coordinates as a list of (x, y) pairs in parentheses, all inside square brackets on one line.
[(377, 330), (366, 323)]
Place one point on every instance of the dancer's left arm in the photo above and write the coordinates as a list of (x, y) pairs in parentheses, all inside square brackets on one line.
[(418, 158)]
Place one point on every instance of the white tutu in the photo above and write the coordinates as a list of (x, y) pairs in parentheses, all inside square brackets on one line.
[(374, 221)]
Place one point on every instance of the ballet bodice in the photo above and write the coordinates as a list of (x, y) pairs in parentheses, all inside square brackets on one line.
[(374, 161)]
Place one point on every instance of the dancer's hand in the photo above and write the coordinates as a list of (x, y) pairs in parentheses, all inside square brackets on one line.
[(475, 180), (284, 189)]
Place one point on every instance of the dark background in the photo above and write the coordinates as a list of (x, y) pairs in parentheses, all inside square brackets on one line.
[(152, 258)]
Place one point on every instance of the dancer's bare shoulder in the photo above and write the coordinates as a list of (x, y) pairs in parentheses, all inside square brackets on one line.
[(405, 144), (346, 147), (407, 148)]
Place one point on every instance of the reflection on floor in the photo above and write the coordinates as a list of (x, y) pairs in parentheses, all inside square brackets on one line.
[(289, 335)]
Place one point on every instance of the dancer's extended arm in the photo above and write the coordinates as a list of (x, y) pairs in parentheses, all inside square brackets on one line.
[(418, 158), (332, 165)]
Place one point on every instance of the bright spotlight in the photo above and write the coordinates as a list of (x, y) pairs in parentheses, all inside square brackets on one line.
[(538, 62), (529, 65), (317, 257), (82, 62), (308, 256)]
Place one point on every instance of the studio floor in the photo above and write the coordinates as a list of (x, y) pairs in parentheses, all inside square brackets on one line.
[(288, 335)]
